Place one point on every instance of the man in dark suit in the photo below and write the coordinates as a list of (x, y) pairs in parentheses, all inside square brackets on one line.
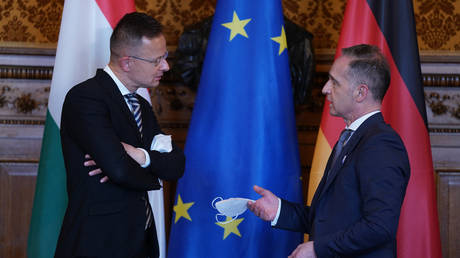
[(103, 117), (356, 207)]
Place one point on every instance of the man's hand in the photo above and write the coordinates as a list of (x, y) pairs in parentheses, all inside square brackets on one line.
[(305, 250), (90, 162), (265, 207), (134, 153)]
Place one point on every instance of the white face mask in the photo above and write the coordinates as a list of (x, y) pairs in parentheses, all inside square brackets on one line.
[(232, 207)]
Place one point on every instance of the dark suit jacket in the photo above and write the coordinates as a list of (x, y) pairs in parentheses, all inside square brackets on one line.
[(355, 212), (108, 219)]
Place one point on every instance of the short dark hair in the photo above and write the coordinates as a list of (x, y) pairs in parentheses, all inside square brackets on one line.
[(130, 30), (369, 66)]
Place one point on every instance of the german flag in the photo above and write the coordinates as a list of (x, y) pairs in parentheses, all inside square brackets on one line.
[(390, 26)]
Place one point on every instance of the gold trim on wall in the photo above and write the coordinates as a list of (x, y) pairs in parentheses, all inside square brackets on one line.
[(26, 72), (38, 22)]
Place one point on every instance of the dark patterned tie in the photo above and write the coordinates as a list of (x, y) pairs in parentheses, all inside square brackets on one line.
[(344, 136), (136, 110)]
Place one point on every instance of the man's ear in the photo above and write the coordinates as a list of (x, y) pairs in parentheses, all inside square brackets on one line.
[(361, 92), (124, 63)]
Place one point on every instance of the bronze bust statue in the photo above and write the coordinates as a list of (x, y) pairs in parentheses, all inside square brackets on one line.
[(192, 47)]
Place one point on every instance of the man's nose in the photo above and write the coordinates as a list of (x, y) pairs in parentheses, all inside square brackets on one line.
[(326, 89), (164, 65)]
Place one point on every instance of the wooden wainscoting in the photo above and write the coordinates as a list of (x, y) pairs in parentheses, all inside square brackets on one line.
[(17, 187), (448, 184)]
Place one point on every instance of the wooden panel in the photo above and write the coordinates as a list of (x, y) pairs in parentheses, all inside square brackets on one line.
[(17, 187), (169, 187), (449, 212), (20, 142)]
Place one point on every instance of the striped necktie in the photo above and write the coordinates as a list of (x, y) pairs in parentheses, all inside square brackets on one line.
[(344, 136), (135, 109), (343, 139)]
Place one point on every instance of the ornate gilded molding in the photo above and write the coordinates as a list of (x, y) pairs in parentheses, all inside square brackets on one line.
[(26, 72), (22, 122), (21, 161), (441, 80), (24, 94), (23, 98), (46, 73), (429, 80), (444, 130)]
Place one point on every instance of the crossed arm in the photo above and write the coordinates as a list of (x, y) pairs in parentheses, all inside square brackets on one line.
[(133, 152)]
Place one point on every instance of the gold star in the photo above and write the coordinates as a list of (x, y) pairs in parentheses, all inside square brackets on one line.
[(236, 26), (230, 227), (181, 209), (281, 40)]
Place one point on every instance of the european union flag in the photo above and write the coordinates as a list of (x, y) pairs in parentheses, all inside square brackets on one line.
[(242, 133)]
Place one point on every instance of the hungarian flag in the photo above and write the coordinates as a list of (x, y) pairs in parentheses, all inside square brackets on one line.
[(242, 133), (390, 26), (83, 46)]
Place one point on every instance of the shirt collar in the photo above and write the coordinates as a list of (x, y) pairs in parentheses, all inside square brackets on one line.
[(354, 126), (119, 84)]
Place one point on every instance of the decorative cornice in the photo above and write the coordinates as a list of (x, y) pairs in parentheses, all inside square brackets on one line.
[(429, 80), (26, 72), (441, 80), (21, 122), (46, 73), (327, 55), (19, 161), (444, 130), (23, 48)]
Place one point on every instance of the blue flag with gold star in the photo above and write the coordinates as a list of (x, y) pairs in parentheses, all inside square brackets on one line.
[(242, 133)]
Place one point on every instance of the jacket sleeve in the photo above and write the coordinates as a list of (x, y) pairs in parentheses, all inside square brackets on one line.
[(86, 119), (294, 217), (168, 165), (164, 165)]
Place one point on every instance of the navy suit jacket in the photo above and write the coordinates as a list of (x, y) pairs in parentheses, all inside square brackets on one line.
[(108, 219), (355, 212)]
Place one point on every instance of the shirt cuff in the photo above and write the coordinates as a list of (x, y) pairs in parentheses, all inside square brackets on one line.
[(147, 158), (275, 220)]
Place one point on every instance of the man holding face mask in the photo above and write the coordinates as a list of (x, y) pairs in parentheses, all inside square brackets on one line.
[(356, 207)]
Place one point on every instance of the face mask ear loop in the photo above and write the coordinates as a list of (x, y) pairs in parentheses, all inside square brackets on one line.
[(221, 215), (225, 222), (213, 203)]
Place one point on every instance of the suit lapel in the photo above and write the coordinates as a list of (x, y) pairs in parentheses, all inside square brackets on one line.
[(115, 95), (320, 187), (346, 151)]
